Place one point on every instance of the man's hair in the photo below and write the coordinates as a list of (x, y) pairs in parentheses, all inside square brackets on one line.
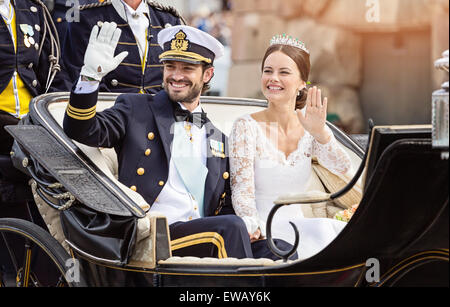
[(207, 86)]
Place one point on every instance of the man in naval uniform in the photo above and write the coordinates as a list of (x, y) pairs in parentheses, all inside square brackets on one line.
[(25, 62), (168, 150), (140, 22)]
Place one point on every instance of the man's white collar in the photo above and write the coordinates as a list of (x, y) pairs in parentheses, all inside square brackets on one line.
[(4, 7), (120, 5), (197, 109)]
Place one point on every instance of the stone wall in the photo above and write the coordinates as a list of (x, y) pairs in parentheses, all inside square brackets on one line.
[(333, 31)]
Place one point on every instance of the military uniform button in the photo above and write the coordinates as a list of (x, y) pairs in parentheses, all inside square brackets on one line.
[(140, 171), (26, 42), (33, 9), (133, 188), (36, 46), (151, 136), (114, 82), (148, 152), (195, 208), (37, 27), (226, 175), (30, 66), (59, 19), (161, 183), (34, 83)]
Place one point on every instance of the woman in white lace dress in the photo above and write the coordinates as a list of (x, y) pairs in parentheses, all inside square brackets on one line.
[(271, 151)]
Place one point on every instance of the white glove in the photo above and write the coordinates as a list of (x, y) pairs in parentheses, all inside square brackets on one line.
[(99, 58)]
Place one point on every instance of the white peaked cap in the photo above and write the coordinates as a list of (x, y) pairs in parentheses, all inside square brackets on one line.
[(188, 44)]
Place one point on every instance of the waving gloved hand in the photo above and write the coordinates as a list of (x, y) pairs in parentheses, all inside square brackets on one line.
[(99, 58)]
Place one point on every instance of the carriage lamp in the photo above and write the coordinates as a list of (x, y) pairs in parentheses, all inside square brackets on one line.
[(440, 111)]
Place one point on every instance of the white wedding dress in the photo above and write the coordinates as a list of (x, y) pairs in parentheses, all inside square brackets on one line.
[(260, 173)]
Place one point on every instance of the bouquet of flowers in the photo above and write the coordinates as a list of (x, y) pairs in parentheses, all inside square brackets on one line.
[(346, 215)]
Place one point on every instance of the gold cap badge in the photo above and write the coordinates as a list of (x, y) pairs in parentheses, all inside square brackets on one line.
[(180, 43)]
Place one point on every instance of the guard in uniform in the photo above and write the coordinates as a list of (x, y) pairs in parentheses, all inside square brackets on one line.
[(141, 72), (28, 67), (168, 150)]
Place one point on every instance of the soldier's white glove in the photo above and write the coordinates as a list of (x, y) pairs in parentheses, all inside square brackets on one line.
[(99, 58)]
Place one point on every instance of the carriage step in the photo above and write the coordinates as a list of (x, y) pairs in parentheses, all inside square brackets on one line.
[(87, 185)]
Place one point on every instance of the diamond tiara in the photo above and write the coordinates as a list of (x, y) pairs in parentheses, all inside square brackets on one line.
[(283, 39)]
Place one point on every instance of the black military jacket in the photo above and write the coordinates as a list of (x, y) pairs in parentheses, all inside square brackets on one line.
[(138, 127), (32, 68), (128, 77)]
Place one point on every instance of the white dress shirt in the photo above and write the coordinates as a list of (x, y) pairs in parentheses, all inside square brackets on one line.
[(5, 11), (174, 201), (139, 23)]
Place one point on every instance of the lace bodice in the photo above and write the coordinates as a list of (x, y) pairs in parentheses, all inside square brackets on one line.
[(260, 172)]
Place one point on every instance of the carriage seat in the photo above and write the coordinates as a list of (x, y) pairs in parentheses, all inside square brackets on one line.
[(225, 262)]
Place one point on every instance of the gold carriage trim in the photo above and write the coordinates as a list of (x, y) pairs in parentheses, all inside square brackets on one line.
[(81, 114), (201, 238), (183, 54), (442, 254), (127, 44)]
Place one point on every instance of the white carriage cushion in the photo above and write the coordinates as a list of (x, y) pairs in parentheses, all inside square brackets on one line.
[(221, 262), (335, 183), (144, 253)]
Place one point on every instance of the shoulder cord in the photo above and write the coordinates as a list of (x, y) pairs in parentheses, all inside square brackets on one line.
[(96, 4), (55, 46), (167, 8)]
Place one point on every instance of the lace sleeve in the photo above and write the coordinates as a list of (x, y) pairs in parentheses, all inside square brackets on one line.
[(332, 156), (242, 146)]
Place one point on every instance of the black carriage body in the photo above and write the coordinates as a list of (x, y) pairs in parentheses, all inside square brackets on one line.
[(400, 228)]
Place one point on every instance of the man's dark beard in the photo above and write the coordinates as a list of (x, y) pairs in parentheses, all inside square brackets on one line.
[(190, 97)]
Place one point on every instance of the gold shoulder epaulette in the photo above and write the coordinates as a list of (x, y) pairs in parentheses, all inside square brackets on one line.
[(166, 8), (92, 5)]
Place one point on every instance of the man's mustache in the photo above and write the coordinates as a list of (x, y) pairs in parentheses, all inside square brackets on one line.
[(178, 81)]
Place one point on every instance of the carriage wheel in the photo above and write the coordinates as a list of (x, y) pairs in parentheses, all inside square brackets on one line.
[(31, 257)]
